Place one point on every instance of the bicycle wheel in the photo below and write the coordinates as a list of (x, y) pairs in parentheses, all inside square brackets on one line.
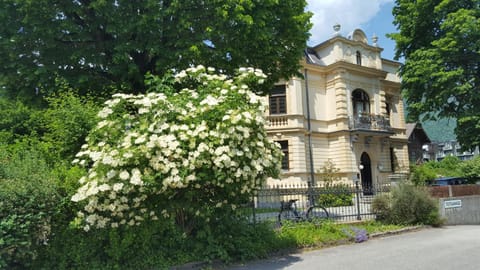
[(317, 214), (287, 214)]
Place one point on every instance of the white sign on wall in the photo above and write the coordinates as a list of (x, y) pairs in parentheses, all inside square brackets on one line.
[(453, 204)]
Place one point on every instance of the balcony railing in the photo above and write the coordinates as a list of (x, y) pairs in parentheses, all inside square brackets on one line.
[(364, 121), (371, 122), (277, 120), (447, 146)]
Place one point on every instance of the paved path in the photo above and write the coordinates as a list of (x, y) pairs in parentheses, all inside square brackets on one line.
[(453, 247)]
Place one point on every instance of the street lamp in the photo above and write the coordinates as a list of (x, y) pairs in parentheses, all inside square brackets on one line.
[(359, 175)]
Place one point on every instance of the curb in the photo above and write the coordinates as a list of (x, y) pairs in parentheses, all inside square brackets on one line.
[(399, 231)]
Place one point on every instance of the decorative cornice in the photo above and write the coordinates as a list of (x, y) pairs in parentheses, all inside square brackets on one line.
[(343, 66), (354, 68), (392, 62), (392, 84)]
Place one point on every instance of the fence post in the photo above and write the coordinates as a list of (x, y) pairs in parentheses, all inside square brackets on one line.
[(357, 191)]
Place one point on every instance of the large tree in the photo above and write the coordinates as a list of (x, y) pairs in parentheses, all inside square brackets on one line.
[(98, 45), (440, 41)]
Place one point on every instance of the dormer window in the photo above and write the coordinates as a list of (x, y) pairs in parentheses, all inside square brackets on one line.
[(359, 58)]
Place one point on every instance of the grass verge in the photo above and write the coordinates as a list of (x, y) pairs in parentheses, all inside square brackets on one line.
[(308, 235), (296, 236)]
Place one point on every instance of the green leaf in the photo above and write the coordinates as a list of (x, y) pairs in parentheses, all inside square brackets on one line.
[(440, 40)]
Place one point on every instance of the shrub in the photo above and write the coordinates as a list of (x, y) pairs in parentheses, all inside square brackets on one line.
[(335, 195), (34, 200), (16, 120), (28, 200), (22, 161), (66, 122), (407, 204), (158, 244), (329, 173), (59, 130), (153, 245), (332, 193), (449, 166), (191, 155), (422, 174), (381, 207), (471, 169)]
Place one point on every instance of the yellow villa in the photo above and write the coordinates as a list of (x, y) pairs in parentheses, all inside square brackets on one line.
[(347, 108)]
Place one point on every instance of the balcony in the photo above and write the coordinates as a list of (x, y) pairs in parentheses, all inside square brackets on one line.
[(368, 122), (277, 121), (447, 146), (285, 121), (372, 122)]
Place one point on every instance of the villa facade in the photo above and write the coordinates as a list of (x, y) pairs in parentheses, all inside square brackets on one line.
[(347, 108)]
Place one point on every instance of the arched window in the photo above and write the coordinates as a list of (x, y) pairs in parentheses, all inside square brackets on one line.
[(361, 102), (359, 58)]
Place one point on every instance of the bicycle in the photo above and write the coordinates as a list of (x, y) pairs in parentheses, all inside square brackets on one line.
[(288, 211)]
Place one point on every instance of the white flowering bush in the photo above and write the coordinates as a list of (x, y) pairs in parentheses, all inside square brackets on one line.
[(181, 151)]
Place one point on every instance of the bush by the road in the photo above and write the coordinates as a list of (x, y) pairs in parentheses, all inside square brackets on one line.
[(407, 204)]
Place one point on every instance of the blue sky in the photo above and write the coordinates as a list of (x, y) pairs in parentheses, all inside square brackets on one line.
[(372, 16)]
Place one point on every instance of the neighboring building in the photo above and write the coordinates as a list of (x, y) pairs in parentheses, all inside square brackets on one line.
[(417, 139), (452, 148), (346, 108), (444, 143), (430, 152)]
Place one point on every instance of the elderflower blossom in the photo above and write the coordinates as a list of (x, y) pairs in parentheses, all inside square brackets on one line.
[(146, 147), (124, 175), (210, 101), (105, 112)]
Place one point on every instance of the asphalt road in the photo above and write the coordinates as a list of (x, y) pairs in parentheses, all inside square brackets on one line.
[(451, 247)]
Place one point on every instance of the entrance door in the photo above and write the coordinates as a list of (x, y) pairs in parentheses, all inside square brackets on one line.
[(366, 174)]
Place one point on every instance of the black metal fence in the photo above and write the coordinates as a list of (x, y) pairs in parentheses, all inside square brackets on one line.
[(344, 202)]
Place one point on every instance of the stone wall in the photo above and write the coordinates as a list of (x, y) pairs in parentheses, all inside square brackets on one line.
[(464, 210)]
